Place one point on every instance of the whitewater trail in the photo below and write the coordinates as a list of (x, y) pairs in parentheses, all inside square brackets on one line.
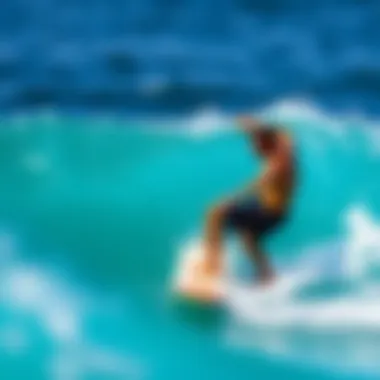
[(281, 305), (285, 305), (41, 306)]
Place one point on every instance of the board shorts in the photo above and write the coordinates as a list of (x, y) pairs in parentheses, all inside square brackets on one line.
[(248, 215)]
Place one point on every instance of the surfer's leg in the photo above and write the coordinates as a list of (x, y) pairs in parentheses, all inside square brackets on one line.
[(214, 236), (235, 215), (254, 250)]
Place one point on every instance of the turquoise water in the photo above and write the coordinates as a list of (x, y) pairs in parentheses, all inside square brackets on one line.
[(95, 211)]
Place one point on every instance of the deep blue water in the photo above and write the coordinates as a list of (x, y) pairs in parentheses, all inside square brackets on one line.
[(176, 56)]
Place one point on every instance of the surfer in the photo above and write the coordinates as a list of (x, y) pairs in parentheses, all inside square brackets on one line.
[(261, 206)]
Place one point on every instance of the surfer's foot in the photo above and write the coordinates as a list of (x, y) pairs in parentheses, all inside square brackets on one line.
[(212, 270), (208, 268)]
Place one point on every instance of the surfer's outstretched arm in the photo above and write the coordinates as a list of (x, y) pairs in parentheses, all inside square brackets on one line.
[(248, 124)]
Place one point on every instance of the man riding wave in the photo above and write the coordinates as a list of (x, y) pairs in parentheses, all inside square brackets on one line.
[(260, 207)]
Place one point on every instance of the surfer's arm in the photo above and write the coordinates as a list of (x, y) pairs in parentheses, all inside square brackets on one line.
[(285, 146), (279, 162), (248, 124)]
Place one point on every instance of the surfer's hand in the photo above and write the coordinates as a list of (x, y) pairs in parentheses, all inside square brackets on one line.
[(247, 123)]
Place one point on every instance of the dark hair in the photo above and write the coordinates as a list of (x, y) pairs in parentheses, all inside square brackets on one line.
[(267, 131), (265, 137)]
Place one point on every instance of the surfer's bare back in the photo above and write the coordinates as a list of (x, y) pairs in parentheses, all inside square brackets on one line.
[(262, 206)]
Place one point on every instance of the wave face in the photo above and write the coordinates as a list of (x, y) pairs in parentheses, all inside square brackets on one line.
[(95, 212)]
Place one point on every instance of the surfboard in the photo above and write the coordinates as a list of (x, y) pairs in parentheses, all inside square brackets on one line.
[(192, 282)]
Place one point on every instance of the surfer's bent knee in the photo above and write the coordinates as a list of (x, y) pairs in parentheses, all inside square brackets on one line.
[(217, 213)]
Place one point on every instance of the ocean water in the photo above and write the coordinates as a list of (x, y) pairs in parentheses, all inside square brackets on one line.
[(95, 212), (177, 56)]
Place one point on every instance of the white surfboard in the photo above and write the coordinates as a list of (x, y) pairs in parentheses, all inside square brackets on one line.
[(191, 281)]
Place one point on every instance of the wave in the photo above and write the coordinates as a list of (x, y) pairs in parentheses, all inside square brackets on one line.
[(323, 306), (115, 197), (44, 319)]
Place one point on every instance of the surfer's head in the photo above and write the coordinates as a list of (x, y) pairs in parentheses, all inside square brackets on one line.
[(265, 139), (264, 136)]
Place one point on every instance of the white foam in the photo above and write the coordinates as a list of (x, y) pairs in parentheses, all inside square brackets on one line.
[(338, 314), (279, 305), (34, 293), (62, 322), (30, 289), (342, 331), (363, 242), (373, 137), (208, 121), (289, 110)]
